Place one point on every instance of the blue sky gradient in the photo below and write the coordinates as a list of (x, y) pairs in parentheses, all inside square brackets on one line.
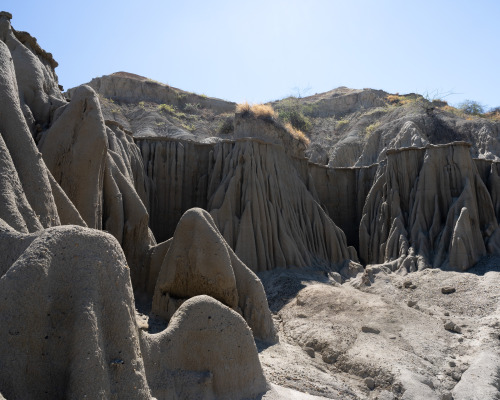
[(265, 50)]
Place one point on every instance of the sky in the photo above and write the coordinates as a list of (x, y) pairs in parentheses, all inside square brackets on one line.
[(259, 51)]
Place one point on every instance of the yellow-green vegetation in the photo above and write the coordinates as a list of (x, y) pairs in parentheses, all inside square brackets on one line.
[(397, 100), (494, 115), (142, 105), (471, 110), (166, 108), (341, 122), (292, 111), (371, 128), (158, 82), (192, 107), (189, 127)]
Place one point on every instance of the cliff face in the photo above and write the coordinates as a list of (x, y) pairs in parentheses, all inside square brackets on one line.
[(259, 199), (428, 206), (73, 287)]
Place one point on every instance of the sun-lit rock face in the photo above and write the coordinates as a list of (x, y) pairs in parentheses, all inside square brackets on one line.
[(253, 277), (428, 207), (68, 323)]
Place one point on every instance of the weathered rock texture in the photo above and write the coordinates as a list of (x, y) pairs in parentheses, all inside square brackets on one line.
[(64, 334), (343, 191), (99, 168), (269, 130), (67, 316), (199, 261), (206, 352), (258, 196), (16, 134), (127, 87), (266, 213), (428, 207)]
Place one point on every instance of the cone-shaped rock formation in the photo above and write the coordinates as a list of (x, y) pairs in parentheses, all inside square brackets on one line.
[(198, 262)]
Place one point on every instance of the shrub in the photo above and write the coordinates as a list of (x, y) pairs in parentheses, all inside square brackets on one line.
[(471, 107), (493, 114), (142, 105), (397, 100), (166, 108), (371, 128), (292, 111), (226, 126), (189, 127), (192, 107), (341, 122)]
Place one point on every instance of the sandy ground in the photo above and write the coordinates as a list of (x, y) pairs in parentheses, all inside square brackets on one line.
[(387, 336)]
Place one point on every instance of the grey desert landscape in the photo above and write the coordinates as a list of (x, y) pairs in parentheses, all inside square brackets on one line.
[(156, 243)]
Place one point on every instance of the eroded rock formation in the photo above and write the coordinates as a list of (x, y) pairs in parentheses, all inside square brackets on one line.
[(224, 210), (68, 321), (428, 207), (199, 261), (262, 201)]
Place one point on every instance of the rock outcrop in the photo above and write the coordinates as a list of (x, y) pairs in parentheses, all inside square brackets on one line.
[(428, 207), (199, 262), (262, 201), (64, 334), (67, 316), (207, 352), (266, 213)]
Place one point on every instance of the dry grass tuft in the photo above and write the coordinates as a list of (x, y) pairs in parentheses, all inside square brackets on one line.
[(297, 134), (263, 111), (243, 108), (493, 115), (398, 100)]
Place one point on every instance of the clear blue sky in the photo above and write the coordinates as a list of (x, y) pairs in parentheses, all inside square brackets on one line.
[(264, 50)]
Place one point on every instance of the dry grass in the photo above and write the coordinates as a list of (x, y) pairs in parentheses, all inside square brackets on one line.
[(297, 134), (397, 100), (263, 111), (494, 115)]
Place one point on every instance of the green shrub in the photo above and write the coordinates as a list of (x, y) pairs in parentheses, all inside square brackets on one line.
[(192, 107), (226, 126), (291, 111), (471, 107), (167, 108), (341, 122)]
